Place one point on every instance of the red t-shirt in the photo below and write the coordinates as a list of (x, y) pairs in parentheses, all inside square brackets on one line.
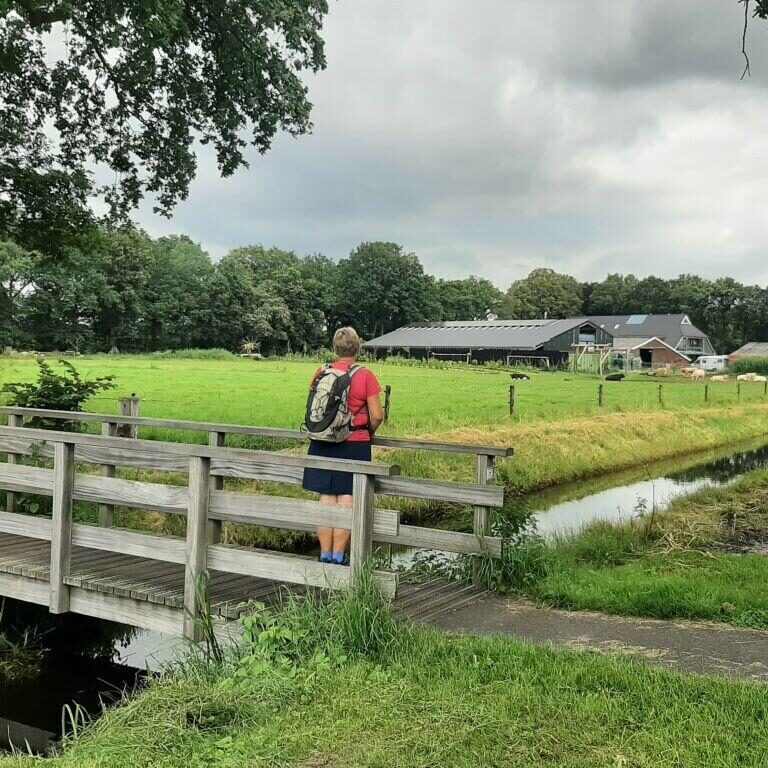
[(364, 385)]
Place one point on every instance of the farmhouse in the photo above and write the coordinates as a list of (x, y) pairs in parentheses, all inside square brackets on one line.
[(648, 339), (656, 339)]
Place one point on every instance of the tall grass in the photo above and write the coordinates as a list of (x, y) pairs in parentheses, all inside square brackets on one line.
[(341, 684)]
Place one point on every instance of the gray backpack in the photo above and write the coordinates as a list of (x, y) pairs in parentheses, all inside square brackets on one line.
[(328, 417)]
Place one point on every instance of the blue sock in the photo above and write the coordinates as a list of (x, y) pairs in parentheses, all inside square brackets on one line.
[(338, 557), (326, 557)]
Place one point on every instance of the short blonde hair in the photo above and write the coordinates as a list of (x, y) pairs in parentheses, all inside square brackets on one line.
[(346, 342)]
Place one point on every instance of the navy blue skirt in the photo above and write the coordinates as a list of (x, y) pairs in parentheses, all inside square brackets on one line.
[(326, 481)]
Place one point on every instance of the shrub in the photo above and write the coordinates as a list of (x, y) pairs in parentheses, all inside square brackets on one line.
[(751, 365), (195, 354), (66, 391)]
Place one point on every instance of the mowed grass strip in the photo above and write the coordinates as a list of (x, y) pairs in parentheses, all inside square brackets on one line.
[(679, 567), (559, 432), (436, 701)]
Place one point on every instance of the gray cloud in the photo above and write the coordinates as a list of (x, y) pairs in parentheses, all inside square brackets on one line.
[(503, 135)]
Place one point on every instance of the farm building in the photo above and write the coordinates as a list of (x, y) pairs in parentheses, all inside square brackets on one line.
[(542, 342), (650, 339), (656, 339), (751, 349)]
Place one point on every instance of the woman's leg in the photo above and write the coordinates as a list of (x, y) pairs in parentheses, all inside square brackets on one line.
[(341, 536), (325, 535)]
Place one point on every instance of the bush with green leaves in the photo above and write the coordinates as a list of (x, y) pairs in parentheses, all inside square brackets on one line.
[(65, 391), (751, 365)]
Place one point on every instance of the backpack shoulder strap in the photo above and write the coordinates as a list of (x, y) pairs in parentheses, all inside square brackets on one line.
[(353, 369)]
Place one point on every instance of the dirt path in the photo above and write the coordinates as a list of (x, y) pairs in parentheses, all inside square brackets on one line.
[(704, 648)]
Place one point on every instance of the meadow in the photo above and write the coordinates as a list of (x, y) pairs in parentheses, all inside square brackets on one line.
[(558, 430)]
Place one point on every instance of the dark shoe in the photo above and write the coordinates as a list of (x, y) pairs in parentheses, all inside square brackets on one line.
[(345, 561)]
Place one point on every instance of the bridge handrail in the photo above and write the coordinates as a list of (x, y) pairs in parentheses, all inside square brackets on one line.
[(205, 505), (241, 429)]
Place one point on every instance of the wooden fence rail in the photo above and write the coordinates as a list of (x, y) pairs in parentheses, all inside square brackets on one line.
[(206, 504), (483, 494)]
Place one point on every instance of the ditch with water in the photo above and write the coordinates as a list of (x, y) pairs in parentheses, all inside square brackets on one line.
[(34, 712)]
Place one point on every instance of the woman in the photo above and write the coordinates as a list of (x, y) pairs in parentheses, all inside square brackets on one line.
[(336, 487)]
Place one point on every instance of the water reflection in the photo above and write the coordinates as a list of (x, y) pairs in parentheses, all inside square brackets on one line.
[(658, 489)]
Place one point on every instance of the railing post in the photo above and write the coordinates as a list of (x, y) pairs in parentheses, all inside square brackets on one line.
[(13, 458), (107, 511), (484, 474), (61, 531), (129, 406), (197, 545), (216, 440), (361, 542)]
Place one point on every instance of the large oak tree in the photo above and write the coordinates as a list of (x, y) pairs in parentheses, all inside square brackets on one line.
[(129, 86)]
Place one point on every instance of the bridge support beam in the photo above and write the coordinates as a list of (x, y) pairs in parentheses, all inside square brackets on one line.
[(197, 545), (61, 530), (361, 542)]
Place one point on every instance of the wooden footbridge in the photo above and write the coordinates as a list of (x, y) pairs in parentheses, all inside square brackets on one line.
[(154, 581)]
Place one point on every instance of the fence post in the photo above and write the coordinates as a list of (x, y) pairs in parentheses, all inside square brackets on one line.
[(13, 458), (484, 473), (661, 395), (107, 511), (361, 542), (197, 545), (129, 406), (61, 530), (600, 395), (738, 390), (387, 402), (216, 440), (765, 388), (512, 401), (706, 393)]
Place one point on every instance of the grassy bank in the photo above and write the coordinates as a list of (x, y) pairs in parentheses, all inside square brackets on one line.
[(345, 686), (692, 562)]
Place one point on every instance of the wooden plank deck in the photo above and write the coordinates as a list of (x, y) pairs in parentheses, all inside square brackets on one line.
[(162, 584)]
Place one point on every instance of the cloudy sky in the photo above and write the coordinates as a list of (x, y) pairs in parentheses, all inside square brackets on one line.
[(498, 136)]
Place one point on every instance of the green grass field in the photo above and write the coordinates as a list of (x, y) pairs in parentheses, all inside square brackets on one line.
[(558, 430), (342, 685)]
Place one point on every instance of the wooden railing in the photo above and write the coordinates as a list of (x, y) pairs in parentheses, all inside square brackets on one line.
[(198, 501), (206, 505), (483, 494)]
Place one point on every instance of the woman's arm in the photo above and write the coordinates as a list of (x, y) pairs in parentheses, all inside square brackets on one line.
[(375, 412)]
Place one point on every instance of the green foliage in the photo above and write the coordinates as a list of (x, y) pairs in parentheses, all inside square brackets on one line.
[(65, 391), (757, 365), (135, 85), (381, 288), (544, 293), (194, 354)]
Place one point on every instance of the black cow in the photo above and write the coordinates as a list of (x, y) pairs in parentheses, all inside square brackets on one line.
[(519, 377), (615, 377)]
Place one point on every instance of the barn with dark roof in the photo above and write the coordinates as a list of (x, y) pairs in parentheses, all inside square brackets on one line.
[(652, 339)]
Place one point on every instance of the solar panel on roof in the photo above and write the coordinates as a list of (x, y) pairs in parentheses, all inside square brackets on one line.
[(637, 319)]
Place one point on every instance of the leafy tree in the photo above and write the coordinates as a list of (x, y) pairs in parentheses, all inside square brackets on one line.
[(473, 298), (125, 263), (278, 277), (16, 277), (178, 297), (616, 295), (381, 288), (130, 84), (544, 293)]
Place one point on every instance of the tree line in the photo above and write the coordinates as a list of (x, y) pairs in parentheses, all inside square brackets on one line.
[(120, 288)]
